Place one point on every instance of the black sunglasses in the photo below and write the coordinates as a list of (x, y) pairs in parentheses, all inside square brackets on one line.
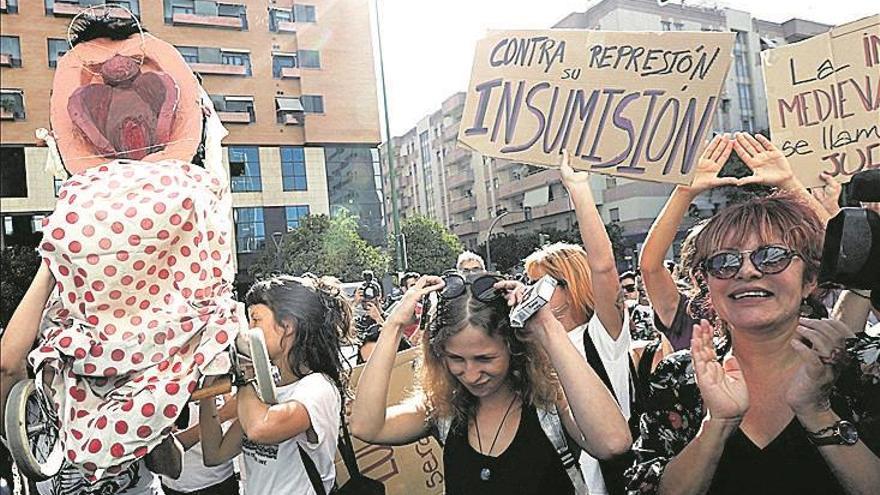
[(629, 288), (482, 287), (766, 259)]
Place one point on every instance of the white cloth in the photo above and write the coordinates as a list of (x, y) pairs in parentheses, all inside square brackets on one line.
[(134, 480), (195, 475), (277, 469), (615, 357)]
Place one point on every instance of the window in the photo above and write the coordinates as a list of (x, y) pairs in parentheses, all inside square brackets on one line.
[(293, 169), (237, 58), (250, 230), (312, 103), (280, 62), (304, 13), (57, 48), (234, 104), (745, 99), (310, 59), (666, 25), (13, 175), (678, 26), (294, 213), (11, 104), (614, 214), (244, 168), (190, 54), (610, 181), (10, 51), (11, 7), (183, 7)]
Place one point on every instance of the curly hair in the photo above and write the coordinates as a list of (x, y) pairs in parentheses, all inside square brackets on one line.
[(780, 217), (530, 374), (567, 262), (321, 316)]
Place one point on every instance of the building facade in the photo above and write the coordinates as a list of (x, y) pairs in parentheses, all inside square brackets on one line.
[(293, 83), (478, 188)]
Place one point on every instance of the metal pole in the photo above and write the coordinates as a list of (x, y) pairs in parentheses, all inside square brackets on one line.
[(405, 257), (489, 236), (389, 148)]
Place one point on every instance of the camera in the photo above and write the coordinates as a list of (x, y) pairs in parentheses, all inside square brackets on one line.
[(851, 255), (370, 289), (534, 299)]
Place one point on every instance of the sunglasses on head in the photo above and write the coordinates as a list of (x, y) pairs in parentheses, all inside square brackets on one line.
[(629, 288), (482, 287), (766, 259)]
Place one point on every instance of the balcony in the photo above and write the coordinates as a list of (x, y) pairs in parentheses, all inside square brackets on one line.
[(6, 114), (466, 228), (460, 179), (294, 119), (235, 117), (291, 73), (462, 204), (219, 69), (5, 59), (226, 22), (70, 9), (286, 26), (513, 187)]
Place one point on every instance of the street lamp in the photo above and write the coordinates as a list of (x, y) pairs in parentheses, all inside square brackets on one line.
[(489, 234)]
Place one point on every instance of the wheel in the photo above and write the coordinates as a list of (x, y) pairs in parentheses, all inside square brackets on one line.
[(262, 366), (32, 433)]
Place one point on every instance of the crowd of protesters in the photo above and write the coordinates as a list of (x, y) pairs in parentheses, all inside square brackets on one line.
[(727, 372)]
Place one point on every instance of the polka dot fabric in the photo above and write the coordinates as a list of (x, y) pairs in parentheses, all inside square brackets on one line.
[(142, 258)]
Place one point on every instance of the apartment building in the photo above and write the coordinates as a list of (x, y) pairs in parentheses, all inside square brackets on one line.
[(477, 188), (293, 83)]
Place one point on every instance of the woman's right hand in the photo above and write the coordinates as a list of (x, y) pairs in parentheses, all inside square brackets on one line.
[(404, 313), (713, 159), (723, 386)]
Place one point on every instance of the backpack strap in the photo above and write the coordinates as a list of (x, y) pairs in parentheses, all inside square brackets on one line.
[(312, 471), (552, 427)]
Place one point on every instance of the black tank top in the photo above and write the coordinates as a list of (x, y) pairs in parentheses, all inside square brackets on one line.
[(530, 465)]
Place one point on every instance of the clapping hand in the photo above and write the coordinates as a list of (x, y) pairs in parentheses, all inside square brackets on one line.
[(768, 164), (821, 346), (829, 194), (722, 386)]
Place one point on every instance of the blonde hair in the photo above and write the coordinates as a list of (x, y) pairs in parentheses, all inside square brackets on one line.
[(567, 262), (530, 373)]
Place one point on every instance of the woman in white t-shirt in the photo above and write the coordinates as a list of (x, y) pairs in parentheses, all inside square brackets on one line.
[(305, 321)]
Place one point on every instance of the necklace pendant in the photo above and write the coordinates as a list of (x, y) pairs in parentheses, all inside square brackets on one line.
[(485, 474)]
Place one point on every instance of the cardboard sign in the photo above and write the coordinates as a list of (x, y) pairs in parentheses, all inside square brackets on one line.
[(823, 96), (636, 105), (416, 468)]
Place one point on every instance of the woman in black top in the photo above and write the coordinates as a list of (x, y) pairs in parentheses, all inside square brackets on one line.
[(791, 407)]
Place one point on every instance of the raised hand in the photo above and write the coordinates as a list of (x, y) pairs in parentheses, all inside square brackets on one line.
[(722, 386), (404, 313), (768, 164), (829, 194), (710, 163), (573, 181), (820, 345)]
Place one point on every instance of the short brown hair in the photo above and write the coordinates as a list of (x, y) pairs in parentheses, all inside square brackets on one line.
[(567, 262)]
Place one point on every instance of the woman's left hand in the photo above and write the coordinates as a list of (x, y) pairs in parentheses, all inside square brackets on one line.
[(820, 344), (768, 164)]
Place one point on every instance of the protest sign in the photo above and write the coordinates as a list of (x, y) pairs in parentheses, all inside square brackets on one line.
[(416, 468), (636, 105), (823, 96)]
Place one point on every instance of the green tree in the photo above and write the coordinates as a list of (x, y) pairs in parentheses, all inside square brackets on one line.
[(323, 246), (430, 247), (18, 265)]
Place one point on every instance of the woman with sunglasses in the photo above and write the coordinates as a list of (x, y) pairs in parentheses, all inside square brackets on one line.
[(490, 393), (791, 405)]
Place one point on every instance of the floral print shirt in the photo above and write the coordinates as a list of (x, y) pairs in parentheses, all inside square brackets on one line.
[(674, 409)]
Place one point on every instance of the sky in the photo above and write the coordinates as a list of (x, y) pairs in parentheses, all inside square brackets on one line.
[(428, 45)]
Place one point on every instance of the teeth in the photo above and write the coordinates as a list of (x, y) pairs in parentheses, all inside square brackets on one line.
[(751, 293)]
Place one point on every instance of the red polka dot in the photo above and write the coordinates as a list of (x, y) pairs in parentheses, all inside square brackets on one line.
[(136, 320), (144, 304), (110, 328), (110, 270), (185, 250), (110, 371), (140, 451), (88, 231), (217, 272), (117, 227), (141, 284), (48, 247), (71, 455), (92, 259), (90, 466), (187, 203), (129, 301), (92, 319), (222, 337), (203, 255), (105, 243), (137, 358), (78, 281), (199, 358), (78, 394), (79, 353), (172, 261), (159, 208), (76, 434), (187, 227), (89, 297), (115, 294), (118, 313), (130, 212), (101, 215), (96, 350), (163, 365), (82, 413), (150, 249), (75, 247), (128, 405), (146, 224), (175, 219), (122, 255), (148, 410), (159, 338), (163, 234), (215, 255), (127, 279), (90, 368), (134, 239), (194, 267), (164, 274), (94, 446), (101, 423), (172, 388), (179, 276), (117, 450), (65, 341), (170, 411), (165, 180), (72, 217), (58, 234), (154, 289), (121, 427), (117, 355)]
